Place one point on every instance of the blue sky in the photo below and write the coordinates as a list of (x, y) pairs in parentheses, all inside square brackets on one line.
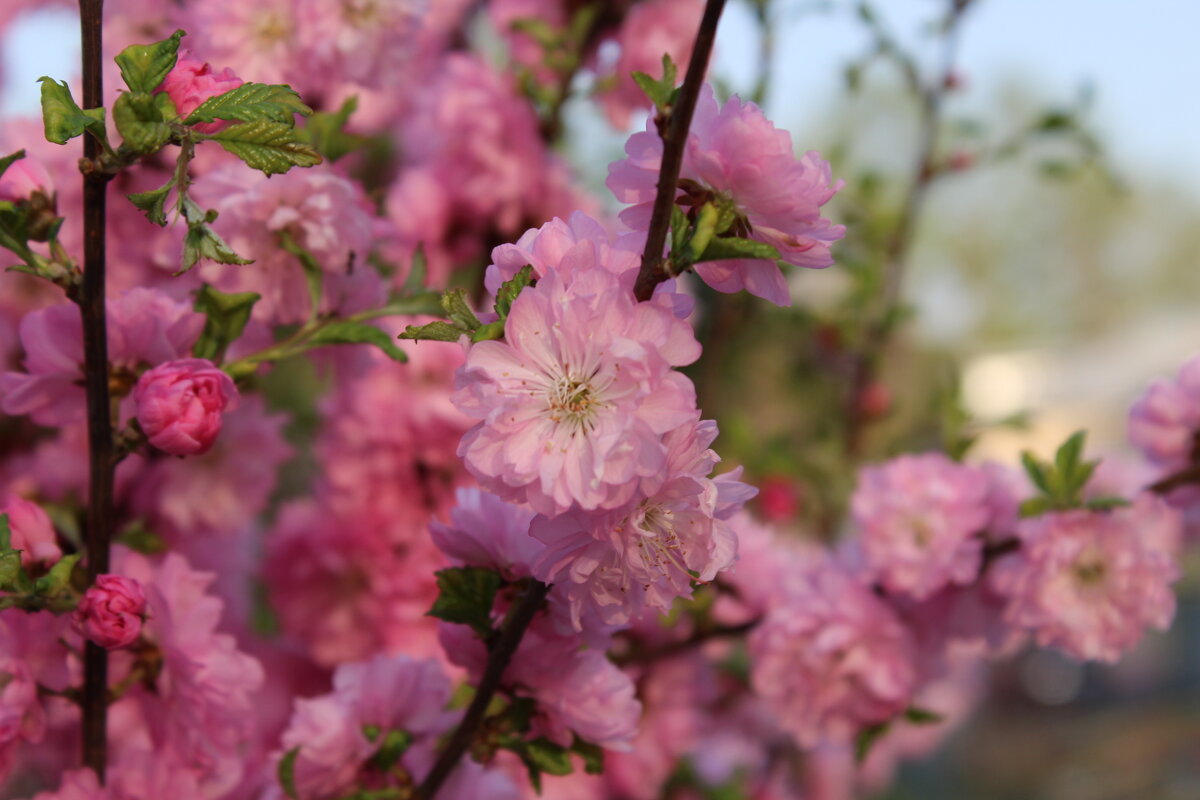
[(1141, 57)]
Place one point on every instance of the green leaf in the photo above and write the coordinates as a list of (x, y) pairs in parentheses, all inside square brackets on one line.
[(326, 131), (12, 575), (287, 773), (659, 94), (139, 120), (8, 161), (454, 301), (418, 270), (921, 716), (226, 316), (723, 247), (5, 534), (58, 579), (348, 332), (251, 102), (465, 596), (1066, 458), (1036, 505), (511, 288), (1106, 503), (202, 241), (1036, 471), (547, 756), (488, 332), (593, 756), (137, 536), (62, 117), (434, 331), (143, 66), (266, 145), (867, 738), (153, 203), (394, 745)]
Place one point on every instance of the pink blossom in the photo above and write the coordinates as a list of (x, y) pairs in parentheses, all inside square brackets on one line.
[(180, 405), (1164, 422), (386, 693), (833, 660), (1089, 582), (919, 516), (144, 327), (614, 564), (735, 154), (31, 530), (111, 612), (650, 30), (523, 49), (484, 531), (322, 211), (77, 784), (23, 179), (21, 713), (574, 402), (191, 81)]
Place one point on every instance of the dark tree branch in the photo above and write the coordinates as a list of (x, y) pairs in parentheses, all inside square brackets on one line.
[(1185, 477), (654, 268), (99, 413), (500, 654)]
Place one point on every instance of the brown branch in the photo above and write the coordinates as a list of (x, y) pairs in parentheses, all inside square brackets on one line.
[(698, 637), (899, 243), (99, 413), (501, 651), (654, 268), (1185, 477)]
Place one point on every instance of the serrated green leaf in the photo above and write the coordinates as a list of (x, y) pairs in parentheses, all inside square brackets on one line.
[(454, 301), (226, 316), (348, 332), (250, 102), (592, 754), (153, 203), (266, 145), (139, 120), (201, 242), (143, 66), (867, 738), (488, 332), (434, 332), (58, 579), (326, 131), (1106, 503), (723, 247), (11, 572), (1036, 471), (62, 117), (287, 773), (5, 534), (1080, 477), (921, 716), (547, 756), (1036, 505), (511, 288), (9, 160), (1066, 458), (465, 596)]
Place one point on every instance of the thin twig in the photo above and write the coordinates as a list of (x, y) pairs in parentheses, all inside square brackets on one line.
[(1187, 476), (698, 637), (499, 656), (654, 268), (99, 413)]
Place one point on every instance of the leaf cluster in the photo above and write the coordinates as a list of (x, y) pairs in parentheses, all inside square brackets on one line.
[(1062, 481)]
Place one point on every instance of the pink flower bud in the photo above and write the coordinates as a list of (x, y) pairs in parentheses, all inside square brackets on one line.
[(23, 179), (111, 612), (191, 82), (31, 530), (179, 405)]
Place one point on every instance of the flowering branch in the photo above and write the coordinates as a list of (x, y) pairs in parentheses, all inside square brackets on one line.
[(500, 652), (654, 269), (101, 464)]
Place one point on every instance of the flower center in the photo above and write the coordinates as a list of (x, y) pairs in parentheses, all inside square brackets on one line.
[(573, 402), (1089, 572)]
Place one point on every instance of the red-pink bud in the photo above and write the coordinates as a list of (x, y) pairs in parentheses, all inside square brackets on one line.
[(192, 81), (111, 612), (24, 178), (31, 530), (179, 405)]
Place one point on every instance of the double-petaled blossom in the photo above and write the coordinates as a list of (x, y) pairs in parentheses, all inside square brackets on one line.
[(1091, 582), (180, 405), (111, 612), (649, 552), (191, 81), (30, 530), (919, 516), (832, 659), (574, 403), (735, 155), (1165, 421)]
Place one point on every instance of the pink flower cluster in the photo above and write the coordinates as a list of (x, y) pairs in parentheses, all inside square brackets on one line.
[(734, 154)]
